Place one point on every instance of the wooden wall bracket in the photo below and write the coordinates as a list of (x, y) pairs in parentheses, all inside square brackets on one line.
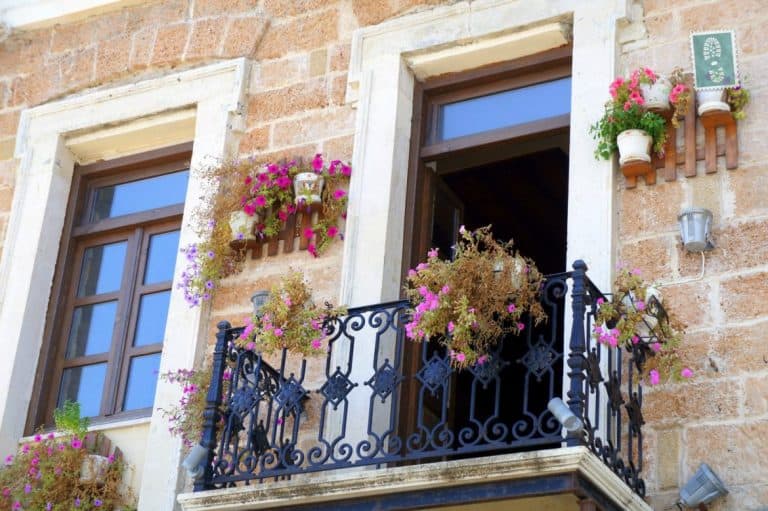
[(689, 154), (295, 226)]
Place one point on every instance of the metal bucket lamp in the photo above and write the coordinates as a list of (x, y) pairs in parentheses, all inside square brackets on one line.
[(696, 229), (258, 300), (702, 488)]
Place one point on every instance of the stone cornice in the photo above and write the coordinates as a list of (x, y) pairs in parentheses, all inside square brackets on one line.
[(341, 485)]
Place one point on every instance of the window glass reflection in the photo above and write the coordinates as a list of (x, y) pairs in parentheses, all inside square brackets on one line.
[(142, 380), (102, 269), (141, 195), (91, 330), (504, 109), (161, 259), (84, 385), (153, 311)]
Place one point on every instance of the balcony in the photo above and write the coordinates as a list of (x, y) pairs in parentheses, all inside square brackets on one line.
[(377, 400)]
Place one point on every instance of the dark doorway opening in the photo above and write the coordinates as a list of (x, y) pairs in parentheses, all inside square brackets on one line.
[(524, 198)]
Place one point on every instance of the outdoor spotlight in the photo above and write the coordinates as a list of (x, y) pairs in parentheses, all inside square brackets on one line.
[(195, 461), (564, 415), (696, 229), (702, 488), (258, 300)]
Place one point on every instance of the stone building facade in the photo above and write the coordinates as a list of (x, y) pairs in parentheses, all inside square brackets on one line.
[(273, 79)]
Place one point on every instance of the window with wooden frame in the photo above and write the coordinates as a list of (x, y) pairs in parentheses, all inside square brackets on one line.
[(109, 302)]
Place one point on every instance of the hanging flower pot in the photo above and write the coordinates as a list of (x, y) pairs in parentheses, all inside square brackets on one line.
[(308, 187), (656, 94), (634, 145), (241, 225), (649, 319), (711, 101)]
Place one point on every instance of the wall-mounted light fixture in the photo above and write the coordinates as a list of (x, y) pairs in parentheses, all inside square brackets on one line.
[(564, 415), (696, 229), (702, 488), (258, 300), (195, 461)]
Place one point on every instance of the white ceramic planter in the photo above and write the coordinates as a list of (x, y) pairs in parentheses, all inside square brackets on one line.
[(711, 101), (656, 95), (241, 223), (94, 468), (634, 145), (519, 276), (308, 186), (649, 321)]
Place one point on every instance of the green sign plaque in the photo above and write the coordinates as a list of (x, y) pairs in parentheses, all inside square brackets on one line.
[(714, 59)]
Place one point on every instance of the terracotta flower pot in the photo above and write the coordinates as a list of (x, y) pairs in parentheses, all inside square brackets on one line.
[(634, 145)]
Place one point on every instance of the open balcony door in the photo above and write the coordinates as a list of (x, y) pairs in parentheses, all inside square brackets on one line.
[(443, 213)]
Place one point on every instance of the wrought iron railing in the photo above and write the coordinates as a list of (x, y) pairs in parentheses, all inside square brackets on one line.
[(367, 408)]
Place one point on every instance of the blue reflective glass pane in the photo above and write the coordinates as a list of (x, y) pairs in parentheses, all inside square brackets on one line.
[(162, 257), (153, 311), (504, 109), (91, 330), (140, 195), (102, 269), (142, 380), (85, 385)]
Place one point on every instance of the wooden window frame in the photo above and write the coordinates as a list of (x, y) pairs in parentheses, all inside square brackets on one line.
[(77, 235), (441, 90)]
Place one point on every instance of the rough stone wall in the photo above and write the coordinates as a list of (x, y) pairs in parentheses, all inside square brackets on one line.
[(719, 417)]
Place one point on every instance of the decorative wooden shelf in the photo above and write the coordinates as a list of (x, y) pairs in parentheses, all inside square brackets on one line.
[(634, 169), (294, 228), (711, 121), (689, 154)]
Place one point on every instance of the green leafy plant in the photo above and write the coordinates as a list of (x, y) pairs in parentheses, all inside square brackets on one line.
[(633, 319), (68, 420), (52, 472), (737, 98), (468, 304), (289, 319), (625, 111)]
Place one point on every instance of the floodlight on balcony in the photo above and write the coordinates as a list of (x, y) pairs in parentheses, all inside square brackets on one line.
[(564, 415), (195, 461), (702, 488)]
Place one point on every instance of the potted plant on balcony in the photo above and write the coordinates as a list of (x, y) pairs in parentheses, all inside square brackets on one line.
[(633, 319), (55, 471), (470, 303), (627, 126), (289, 319)]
